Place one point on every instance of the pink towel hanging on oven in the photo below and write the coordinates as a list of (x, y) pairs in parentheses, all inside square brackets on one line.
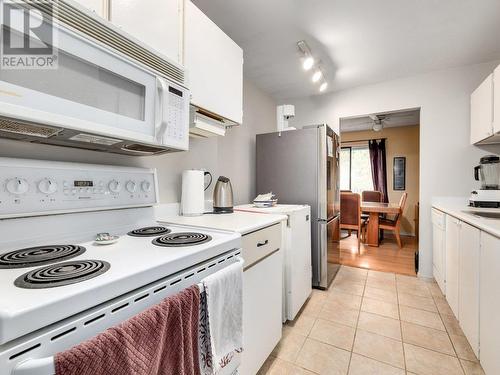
[(162, 340)]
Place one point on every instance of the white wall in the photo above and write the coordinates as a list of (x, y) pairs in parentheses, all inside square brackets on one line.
[(233, 155), (446, 157)]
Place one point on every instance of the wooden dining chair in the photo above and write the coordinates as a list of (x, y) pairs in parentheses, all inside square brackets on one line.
[(350, 214), (372, 196), (394, 224)]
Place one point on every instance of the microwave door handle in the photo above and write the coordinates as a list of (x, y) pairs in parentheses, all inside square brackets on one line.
[(161, 121)]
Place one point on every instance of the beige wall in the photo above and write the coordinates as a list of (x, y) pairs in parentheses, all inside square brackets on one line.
[(401, 141), (233, 155)]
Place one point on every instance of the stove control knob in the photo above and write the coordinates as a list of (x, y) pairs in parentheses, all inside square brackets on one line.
[(131, 186), (146, 186), (114, 186), (17, 186), (47, 186)]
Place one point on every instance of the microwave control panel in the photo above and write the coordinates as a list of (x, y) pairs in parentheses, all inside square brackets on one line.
[(177, 131)]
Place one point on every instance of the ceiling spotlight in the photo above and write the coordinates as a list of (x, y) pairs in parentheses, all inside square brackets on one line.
[(308, 63), (317, 75), (306, 55), (323, 86)]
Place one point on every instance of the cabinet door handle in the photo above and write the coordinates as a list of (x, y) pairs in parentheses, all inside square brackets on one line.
[(260, 244)]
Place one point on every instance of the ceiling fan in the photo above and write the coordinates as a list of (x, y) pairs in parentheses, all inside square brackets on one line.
[(378, 121)]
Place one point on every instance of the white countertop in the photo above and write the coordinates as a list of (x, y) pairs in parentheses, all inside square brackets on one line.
[(278, 209), (456, 207), (239, 221)]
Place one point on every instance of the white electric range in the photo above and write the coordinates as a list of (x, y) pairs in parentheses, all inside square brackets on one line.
[(58, 286)]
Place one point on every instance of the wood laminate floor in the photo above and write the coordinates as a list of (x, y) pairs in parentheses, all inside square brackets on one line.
[(388, 257)]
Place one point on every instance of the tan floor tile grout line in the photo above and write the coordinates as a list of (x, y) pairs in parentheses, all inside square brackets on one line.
[(426, 348), (307, 337), (446, 330), (449, 335), (356, 327), (357, 322), (400, 324)]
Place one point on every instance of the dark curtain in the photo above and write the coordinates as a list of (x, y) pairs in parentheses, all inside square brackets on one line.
[(379, 166)]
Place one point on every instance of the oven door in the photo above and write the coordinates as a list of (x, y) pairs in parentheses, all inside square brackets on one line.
[(91, 89)]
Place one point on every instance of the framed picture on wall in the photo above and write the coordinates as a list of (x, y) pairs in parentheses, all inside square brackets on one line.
[(399, 173)]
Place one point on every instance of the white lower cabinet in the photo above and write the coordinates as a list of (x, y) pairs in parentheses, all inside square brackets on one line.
[(262, 297), (489, 304), (468, 309), (439, 248), (452, 262), (462, 276), (472, 288)]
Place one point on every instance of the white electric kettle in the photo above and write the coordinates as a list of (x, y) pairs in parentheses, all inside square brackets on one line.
[(193, 192)]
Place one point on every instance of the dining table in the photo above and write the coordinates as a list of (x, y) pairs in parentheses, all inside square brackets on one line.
[(374, 209)]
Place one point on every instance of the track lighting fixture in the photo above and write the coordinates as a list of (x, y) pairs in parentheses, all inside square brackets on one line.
[(309, 62)]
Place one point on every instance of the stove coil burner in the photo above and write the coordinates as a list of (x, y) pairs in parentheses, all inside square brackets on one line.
[(40, 255), (62, 274), (182, 239), (149, 231)]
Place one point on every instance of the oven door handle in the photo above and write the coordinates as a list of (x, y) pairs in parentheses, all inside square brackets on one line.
[(46, 366), (161, 120), (39, 366)]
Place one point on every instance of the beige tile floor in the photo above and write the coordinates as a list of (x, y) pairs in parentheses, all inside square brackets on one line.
[(371, 322)]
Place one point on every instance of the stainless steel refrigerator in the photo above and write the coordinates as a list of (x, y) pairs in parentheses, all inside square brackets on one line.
[(302, 167)]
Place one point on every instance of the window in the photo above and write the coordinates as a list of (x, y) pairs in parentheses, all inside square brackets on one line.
[(355, 169)]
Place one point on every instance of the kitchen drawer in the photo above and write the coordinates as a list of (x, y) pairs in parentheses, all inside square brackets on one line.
[(257, 245)]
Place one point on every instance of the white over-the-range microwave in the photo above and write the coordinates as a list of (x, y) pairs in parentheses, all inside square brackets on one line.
[(104, 90)]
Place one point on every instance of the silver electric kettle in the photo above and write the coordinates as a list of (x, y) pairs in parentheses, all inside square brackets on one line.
[(223, 196)]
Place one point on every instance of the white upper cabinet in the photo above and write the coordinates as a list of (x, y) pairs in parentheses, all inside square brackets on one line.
[(96, 6), (157, 23), (481, 116), (215, 66), (496, 100)]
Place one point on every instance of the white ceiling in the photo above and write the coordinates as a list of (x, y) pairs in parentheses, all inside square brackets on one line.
[(359, 41), (391, 120)]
